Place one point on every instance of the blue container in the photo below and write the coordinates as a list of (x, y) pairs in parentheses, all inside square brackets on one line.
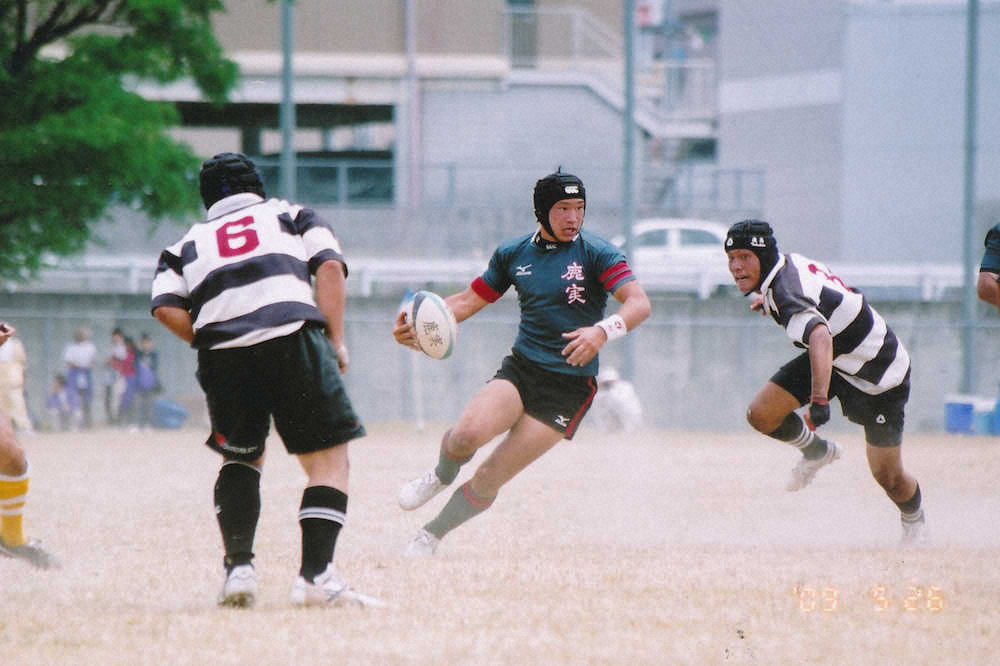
[(168, 414), (958, 414)]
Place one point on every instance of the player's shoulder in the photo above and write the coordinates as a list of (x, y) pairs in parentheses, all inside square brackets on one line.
[(597, 243), (512, 246)]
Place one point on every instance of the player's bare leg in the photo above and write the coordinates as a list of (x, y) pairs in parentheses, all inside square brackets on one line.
[(493, 410), (14, 481), (886, 464), (321, 517), (772, 412), (526, 441)]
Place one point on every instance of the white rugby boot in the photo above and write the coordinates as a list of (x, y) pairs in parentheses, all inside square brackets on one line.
[(805, 469), (329, 589), (32, 553), (423, 544), (914, 529), (419, 491), (240, 588)]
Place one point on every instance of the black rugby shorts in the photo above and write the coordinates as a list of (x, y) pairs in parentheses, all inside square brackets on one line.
[(556, 399), (293, 378), (881, 415)]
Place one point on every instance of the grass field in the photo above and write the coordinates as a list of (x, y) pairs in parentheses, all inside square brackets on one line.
[(659, 548)]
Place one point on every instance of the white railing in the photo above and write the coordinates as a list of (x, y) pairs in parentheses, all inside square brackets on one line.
[(370, 275)]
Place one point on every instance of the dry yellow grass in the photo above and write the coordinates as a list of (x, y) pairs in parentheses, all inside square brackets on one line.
[(659, 548)]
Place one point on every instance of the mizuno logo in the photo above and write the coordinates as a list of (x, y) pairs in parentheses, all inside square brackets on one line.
[(523, 270), (562, 420)]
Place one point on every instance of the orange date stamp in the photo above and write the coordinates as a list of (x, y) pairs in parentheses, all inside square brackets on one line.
[(878, 598)]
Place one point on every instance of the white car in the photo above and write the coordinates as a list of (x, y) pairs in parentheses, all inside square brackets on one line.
[(678, 254)]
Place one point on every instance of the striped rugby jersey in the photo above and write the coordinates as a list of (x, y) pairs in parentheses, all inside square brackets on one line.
[(560, 287), (800, 293), (244, 274)]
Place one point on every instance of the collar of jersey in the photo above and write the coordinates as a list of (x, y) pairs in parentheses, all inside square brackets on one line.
[(232, 203), (546, 245), (766, 283)]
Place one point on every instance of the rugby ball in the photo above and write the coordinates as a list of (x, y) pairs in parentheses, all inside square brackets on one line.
[(434, 322)]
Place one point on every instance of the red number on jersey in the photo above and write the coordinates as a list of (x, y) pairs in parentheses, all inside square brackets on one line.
[(236, 237), (814, 269)]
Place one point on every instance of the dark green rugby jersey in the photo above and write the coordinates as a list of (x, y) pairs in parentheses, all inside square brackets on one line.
[(991, 258), (560, 287)]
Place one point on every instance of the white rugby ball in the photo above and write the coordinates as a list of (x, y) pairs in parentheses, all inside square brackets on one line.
[(434, 322)]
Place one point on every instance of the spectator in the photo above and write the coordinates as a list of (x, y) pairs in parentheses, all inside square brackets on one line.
[(147, 367), (114, 377), (12, 361), (127, 404), (616, 405), (79, 357), (60, 406)]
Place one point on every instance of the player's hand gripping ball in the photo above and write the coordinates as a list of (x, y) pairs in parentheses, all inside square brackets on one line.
[(434, 323)]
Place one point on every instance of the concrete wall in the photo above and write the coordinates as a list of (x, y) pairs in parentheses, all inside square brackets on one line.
[(700, 362)]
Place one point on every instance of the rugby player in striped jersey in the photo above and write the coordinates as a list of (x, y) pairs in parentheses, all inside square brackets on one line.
[(563, 276), (239, 288), (852, 355)]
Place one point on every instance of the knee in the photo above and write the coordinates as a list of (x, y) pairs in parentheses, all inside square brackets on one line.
[(888, 477), (761, 421), (462, 442), (12, 459)]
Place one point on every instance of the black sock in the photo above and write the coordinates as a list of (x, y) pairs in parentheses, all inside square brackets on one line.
[(237, 508), (793, 430), (912, 505), (321, 516)]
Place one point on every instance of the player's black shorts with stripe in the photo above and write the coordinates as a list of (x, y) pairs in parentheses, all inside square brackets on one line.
[(881, 415), (554, 398), (293, 378)]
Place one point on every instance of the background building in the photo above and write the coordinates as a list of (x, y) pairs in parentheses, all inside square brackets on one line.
[(422, 126)]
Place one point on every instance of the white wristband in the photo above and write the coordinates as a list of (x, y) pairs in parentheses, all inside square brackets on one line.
[(613, 326)]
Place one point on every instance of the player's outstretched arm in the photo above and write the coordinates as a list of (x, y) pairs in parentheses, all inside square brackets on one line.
[(988, 288), (177, 320), (466, 303), (463, 305)]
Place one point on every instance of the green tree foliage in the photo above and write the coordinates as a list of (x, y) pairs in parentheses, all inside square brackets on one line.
[(74, 138)]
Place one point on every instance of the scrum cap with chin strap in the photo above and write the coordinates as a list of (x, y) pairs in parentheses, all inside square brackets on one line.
[(227, 174), (758, 237), (552, 189)]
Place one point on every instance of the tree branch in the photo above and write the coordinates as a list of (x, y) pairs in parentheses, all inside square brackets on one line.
[(51, 30)]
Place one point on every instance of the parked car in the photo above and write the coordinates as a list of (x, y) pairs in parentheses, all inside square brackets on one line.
[(678, 254)]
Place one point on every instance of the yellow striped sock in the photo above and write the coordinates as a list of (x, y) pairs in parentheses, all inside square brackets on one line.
[(13, 493)]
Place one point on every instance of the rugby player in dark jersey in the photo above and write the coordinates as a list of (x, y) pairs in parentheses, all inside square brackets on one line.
[(562, 276), (852, 355), (988, 283)]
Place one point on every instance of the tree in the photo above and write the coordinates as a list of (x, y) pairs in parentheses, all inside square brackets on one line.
[(75, 139)]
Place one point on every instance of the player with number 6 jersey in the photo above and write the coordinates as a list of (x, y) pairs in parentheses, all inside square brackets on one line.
[(239, 288), (852, 355)]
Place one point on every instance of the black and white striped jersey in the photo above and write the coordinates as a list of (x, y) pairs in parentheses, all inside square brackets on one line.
[(244, 274), (800, 293)]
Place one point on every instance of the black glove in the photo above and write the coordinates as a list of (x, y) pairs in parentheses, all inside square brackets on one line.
[(819, 412)]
